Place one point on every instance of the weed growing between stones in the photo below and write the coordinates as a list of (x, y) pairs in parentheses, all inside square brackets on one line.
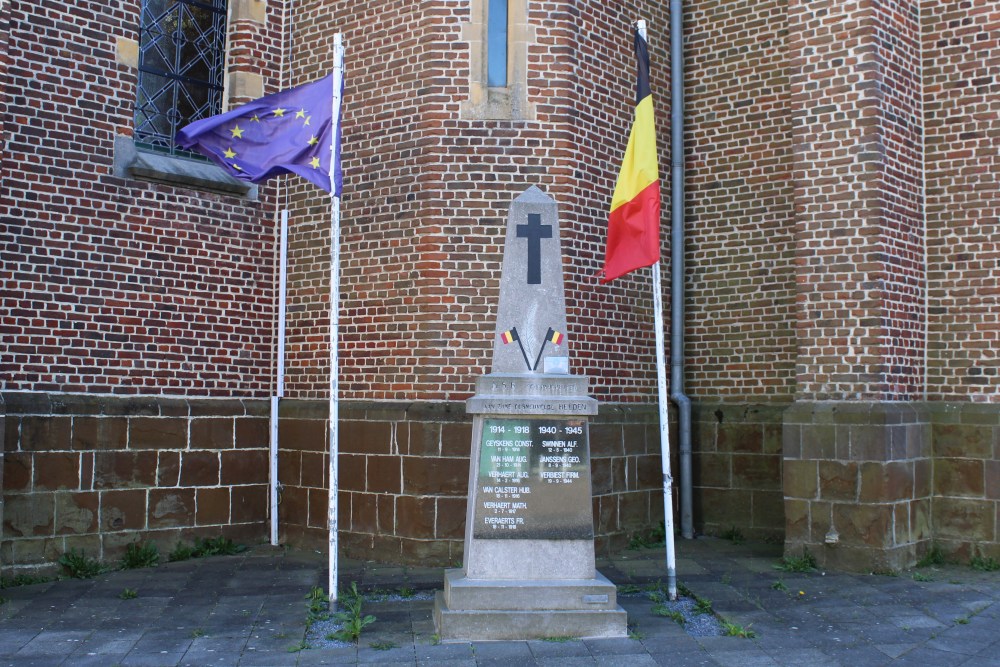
[(350, 617), (140, 554), (655, 537), (664, 611), (216, 546), (703, 606), (737, 630), (804, 563), (25, 580), (984, 564), (128, 594), (734, 535), (934, 556), (80, 566), (383, 645), (318, 608)]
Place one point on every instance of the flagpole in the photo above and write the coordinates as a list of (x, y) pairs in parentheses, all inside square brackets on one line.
[(662, 402), (279, 392), (338, 76)]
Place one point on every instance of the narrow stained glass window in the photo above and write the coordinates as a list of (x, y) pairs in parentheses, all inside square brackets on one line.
[(496, 54), (182, 49)]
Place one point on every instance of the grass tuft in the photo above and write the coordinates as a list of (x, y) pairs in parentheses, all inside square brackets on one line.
[(663, 611), (734, 535), (737, 630), (804, 563), (934, 556), (79, 566), (984, 564), (140, 554)]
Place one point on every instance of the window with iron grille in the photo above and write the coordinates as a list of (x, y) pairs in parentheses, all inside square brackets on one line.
[(182, 54)]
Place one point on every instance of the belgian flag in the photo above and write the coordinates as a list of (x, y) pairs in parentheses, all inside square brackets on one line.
[(634, 223)]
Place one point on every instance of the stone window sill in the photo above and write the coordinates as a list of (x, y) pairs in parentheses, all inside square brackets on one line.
[(133, 162)]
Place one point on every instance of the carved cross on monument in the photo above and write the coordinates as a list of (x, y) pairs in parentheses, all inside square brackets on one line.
[(532, 302), (534, 231)]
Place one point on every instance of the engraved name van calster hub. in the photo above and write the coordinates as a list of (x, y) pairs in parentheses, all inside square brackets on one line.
[(529, 567)]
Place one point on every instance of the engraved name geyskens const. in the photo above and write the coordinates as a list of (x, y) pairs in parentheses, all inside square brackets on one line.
[(529, 569)]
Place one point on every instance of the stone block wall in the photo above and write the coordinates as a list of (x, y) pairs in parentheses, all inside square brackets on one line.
[(95, 473), (966, 504), (857, 482), (404, 475), (737, 469)]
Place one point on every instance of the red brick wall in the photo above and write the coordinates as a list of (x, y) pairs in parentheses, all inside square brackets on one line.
[(97, 473), (426, 194), (856, 127), (962, 115), (113, 285), (740, 341)]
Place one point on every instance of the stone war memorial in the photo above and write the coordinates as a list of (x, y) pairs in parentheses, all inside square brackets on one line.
[(529, 567)]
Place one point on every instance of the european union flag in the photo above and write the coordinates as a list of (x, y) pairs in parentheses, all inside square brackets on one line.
[(287, 132)]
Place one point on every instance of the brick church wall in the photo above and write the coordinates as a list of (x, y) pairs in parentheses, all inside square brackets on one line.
[(841, 267), (426, 195), (962, 159), (117, 287)]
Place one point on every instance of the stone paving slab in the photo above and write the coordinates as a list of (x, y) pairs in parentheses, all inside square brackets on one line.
[(249, 610)]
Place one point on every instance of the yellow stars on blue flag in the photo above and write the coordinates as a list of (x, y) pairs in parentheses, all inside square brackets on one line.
[(273, 135)]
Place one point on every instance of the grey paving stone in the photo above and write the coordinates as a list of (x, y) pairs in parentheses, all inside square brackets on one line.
[(505, 650), (455, 662), (699, 659), (158, 659), (29, 662), (614, 646), (402, 653), (866, 656), (505, 662), (743, 658), (924, 656), (566, 662), (567, 649), (458, 651), (634, 660), (798, 657), (895, 650)]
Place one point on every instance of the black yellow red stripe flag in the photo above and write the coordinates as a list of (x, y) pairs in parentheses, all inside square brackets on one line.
[(634, 223)]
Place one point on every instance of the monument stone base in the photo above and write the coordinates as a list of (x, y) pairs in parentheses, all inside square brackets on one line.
[(471, 609)]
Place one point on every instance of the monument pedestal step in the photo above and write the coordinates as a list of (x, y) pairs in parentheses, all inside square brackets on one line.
[(462, 593), (475, 625)]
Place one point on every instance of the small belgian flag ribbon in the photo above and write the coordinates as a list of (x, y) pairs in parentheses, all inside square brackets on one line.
[(555, 337), (509, 336)]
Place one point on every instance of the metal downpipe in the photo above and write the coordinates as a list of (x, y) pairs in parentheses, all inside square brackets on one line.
[(677, 262)]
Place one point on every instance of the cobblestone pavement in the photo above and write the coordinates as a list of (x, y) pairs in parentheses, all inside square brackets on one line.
[(250, 610)]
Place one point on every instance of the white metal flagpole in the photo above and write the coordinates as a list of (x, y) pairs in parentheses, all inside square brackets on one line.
[(338, 77), (662, 401), (280, 383)]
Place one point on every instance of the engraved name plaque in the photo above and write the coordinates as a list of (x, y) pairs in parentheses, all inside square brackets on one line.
[(533, 480)]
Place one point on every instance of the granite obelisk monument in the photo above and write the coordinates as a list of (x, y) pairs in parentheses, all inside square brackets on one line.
[(529, 568)]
